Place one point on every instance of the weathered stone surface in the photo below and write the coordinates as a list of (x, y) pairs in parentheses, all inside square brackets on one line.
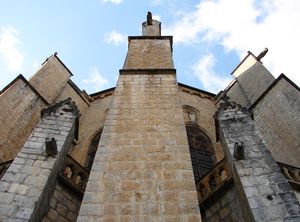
[(149, 54), (52, 73), (64, 205), (31, 184), (18, 124), (144, 107), (277, 118), (262, 189)]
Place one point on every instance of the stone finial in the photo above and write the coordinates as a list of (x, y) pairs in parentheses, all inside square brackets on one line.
[(149, 18), (262, 54)]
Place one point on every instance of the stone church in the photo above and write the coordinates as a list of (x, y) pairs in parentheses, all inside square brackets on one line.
[(150, 149)]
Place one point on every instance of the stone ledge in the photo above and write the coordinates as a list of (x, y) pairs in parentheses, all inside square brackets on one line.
[(147, 71)]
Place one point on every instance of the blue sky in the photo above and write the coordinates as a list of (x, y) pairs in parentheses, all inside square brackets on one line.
[(210, 37)]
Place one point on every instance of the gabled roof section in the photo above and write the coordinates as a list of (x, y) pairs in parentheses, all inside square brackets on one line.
[(245, 64), (55, 55), (80, 92), (21, 77)]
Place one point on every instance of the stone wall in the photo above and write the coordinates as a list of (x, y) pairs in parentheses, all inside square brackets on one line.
[(63, 206), (20, 111), (277, 117), (263, 191), (90, 122), (236, 94), (28, 184), (224, 207), (255, 81), (145, 53), (142, 169)]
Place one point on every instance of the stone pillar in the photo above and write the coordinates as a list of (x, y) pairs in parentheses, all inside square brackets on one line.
[(264, 193), (28, 184), (142, 170)]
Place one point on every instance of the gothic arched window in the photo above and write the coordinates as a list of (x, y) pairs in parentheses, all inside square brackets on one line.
[(92, 150), (201, 151)]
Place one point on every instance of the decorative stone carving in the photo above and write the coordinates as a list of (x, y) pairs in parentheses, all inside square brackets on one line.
[(190, 114), (53, 108), (213, 180)]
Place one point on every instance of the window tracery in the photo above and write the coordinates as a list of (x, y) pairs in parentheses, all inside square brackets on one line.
[(201, 151)]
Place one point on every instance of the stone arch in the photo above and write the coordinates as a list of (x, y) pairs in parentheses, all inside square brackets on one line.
[(190, 114), (93, 149), (201, 150)]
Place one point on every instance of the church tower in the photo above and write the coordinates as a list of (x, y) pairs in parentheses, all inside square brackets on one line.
[(151, 149), (142, 169)]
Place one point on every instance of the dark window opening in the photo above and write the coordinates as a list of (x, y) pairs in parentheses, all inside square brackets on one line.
[(92, 150), (201, 151)]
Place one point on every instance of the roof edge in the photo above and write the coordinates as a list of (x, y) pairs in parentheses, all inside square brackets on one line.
[(61, 62), (179, 84), (20, 76), (78, 91), (196, 89), (103, 91), (241, 62), (274, 83)]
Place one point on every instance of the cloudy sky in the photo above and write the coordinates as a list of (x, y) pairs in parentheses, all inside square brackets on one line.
[(210, 37)]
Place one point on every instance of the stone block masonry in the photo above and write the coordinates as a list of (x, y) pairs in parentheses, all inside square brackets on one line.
[(63, 206), (20, 112), (142, 169), (225, 207), (28, 184), (277, 117), (264, 193)]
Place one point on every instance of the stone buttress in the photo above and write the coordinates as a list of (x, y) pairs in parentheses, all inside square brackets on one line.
[(28, 184), (263, 191), (142, 170)]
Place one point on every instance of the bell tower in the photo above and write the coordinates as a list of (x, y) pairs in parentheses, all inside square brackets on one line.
[(142, 169)]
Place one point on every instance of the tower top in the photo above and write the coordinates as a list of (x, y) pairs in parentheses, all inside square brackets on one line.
[(151, 27)]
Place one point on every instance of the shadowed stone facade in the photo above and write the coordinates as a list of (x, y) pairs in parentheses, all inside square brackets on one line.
[(150, 149)]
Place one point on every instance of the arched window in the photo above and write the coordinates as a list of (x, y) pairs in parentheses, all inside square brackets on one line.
[(92, 150), (201, 151)]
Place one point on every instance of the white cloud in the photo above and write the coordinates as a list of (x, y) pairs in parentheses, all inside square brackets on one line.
[(35, 65), (204, 72), (115, 37), (157, 2), (156, 17), (112, 1), (9, 50), (95, 79), (242, 25)]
